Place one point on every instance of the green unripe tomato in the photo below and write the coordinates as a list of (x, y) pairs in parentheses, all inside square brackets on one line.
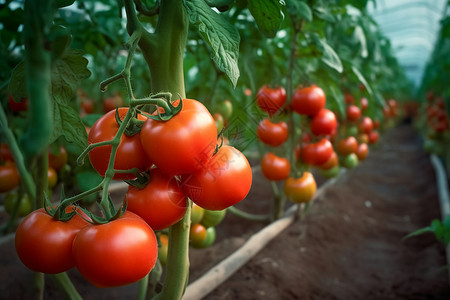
[(352, 131), (210, 238), (196, 213), (25, 206), (349, 161), (225, 108), (213, 217), (218, 119), (330, 173)]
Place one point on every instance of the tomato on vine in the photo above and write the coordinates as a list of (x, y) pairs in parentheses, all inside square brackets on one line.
[(274, 167), (362, 151), (163, 248), (130, 153), (18, 106), (316, 154), (323, 123), (197, 235), (330, 163), (9, 177), (270, 99), (161, 202), (25, 205), (116, 253), (182, 144), (353, 113), (302, 189), (224, 108), (58, 160), (272, 134), (52, 177), (373, 137), (350, 161), (5, 153), (347, 145), (365, 125), (213, 218), (309, 100)]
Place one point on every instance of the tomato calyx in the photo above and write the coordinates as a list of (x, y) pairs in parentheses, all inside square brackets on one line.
[(142, 179), (108, 215), (134, 125), (161, 100), (59, 213)]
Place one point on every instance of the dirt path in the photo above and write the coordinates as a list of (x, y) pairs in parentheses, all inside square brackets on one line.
[(350, 246)]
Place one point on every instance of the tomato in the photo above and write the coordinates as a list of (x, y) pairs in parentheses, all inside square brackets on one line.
[(315, 154), (9, 177), (163, 248), (52, 178), (352, 130), (330, 163), (248, 92), (373, 137), (161, 203), (218, 119), (117, 253), (362, 151), (376, 124), (111, 103), (347, 145), (363, 138), (271, 100), (197, 213), (364, 104), (353, 113), (87, 105), (366, 125), (324, 122), (130, 153), (58, 160), (21, 105), (349, 161), (309, 100), (300, 190), (349, 99), (330, 173), (183, 144), (272, 134), (5, 153), (224, 108), (197, 235), (209, 240), (224, 181), (274, 167), (25, 205), (44, 244), (213, 218)]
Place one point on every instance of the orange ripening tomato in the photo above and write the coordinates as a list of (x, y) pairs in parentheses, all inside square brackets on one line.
[(362, 151), (330, 163), (300, 190), (347, 145), (272, 134), (9, 177), (309, 100), (274, 167)]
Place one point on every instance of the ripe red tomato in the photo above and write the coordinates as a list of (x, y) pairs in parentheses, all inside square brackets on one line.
[(373, 137), (117, 253), (271, 100), (362, 151), (353, 113), (9, 177), (5, 153), (364, 104), (225, 180), (58, 160), (347, 145), (309, 100), (44, 244), (316, 154), (272, 134), (349, 99), (300, 190), (184, 143), (274, 167), (324, 122), (21, 105), (366, 125), (130, 153), (330, 163), (161, 203)]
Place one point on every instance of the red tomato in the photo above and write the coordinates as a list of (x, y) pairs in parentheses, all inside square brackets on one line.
[(87, 105), (300, 190), (225, 180), (184, 143), (44, 244), (5, 153), (362, 151), (272, 134), (274, 167), (364, 104), (58, 160), (9, 177), (161, 203), (366, 125), (316, 154), (111, 103), (21, 105), (130, 153), (309, 100), (117, 253), (376, 124), (373, 137), (353, 113), (271, 100), (324, 122), (330, 163), (349, 99), (347, 145)]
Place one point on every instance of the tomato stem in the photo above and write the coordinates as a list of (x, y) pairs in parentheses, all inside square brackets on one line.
[(248, 216), (66, 287)]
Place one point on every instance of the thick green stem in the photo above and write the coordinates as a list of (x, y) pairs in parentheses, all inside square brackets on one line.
[(66, 287), (41, 179), (38, 286), (247, 216), (143, 286), (38, 19)]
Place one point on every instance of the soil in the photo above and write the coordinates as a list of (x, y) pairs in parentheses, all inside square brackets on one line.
[(349, 246)]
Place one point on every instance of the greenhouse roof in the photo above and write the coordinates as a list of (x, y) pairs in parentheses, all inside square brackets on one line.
[(412, 27)]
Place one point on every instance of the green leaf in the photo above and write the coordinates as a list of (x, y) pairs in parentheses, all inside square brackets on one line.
[(329, 56), (268, 15), (359, 35), (301, 9), (362, 79), (337, 96), (221, 36)]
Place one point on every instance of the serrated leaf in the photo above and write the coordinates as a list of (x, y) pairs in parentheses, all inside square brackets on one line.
[(221, 36), (329, 56), (300, 9), (268, 15)]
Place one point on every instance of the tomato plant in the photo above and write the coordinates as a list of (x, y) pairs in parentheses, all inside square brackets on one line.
[(184, 143), (308, 100), (302, 189), (271, 99), (116, 253), (161, 203), (272, 134), (274, 167), (130, 153)]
